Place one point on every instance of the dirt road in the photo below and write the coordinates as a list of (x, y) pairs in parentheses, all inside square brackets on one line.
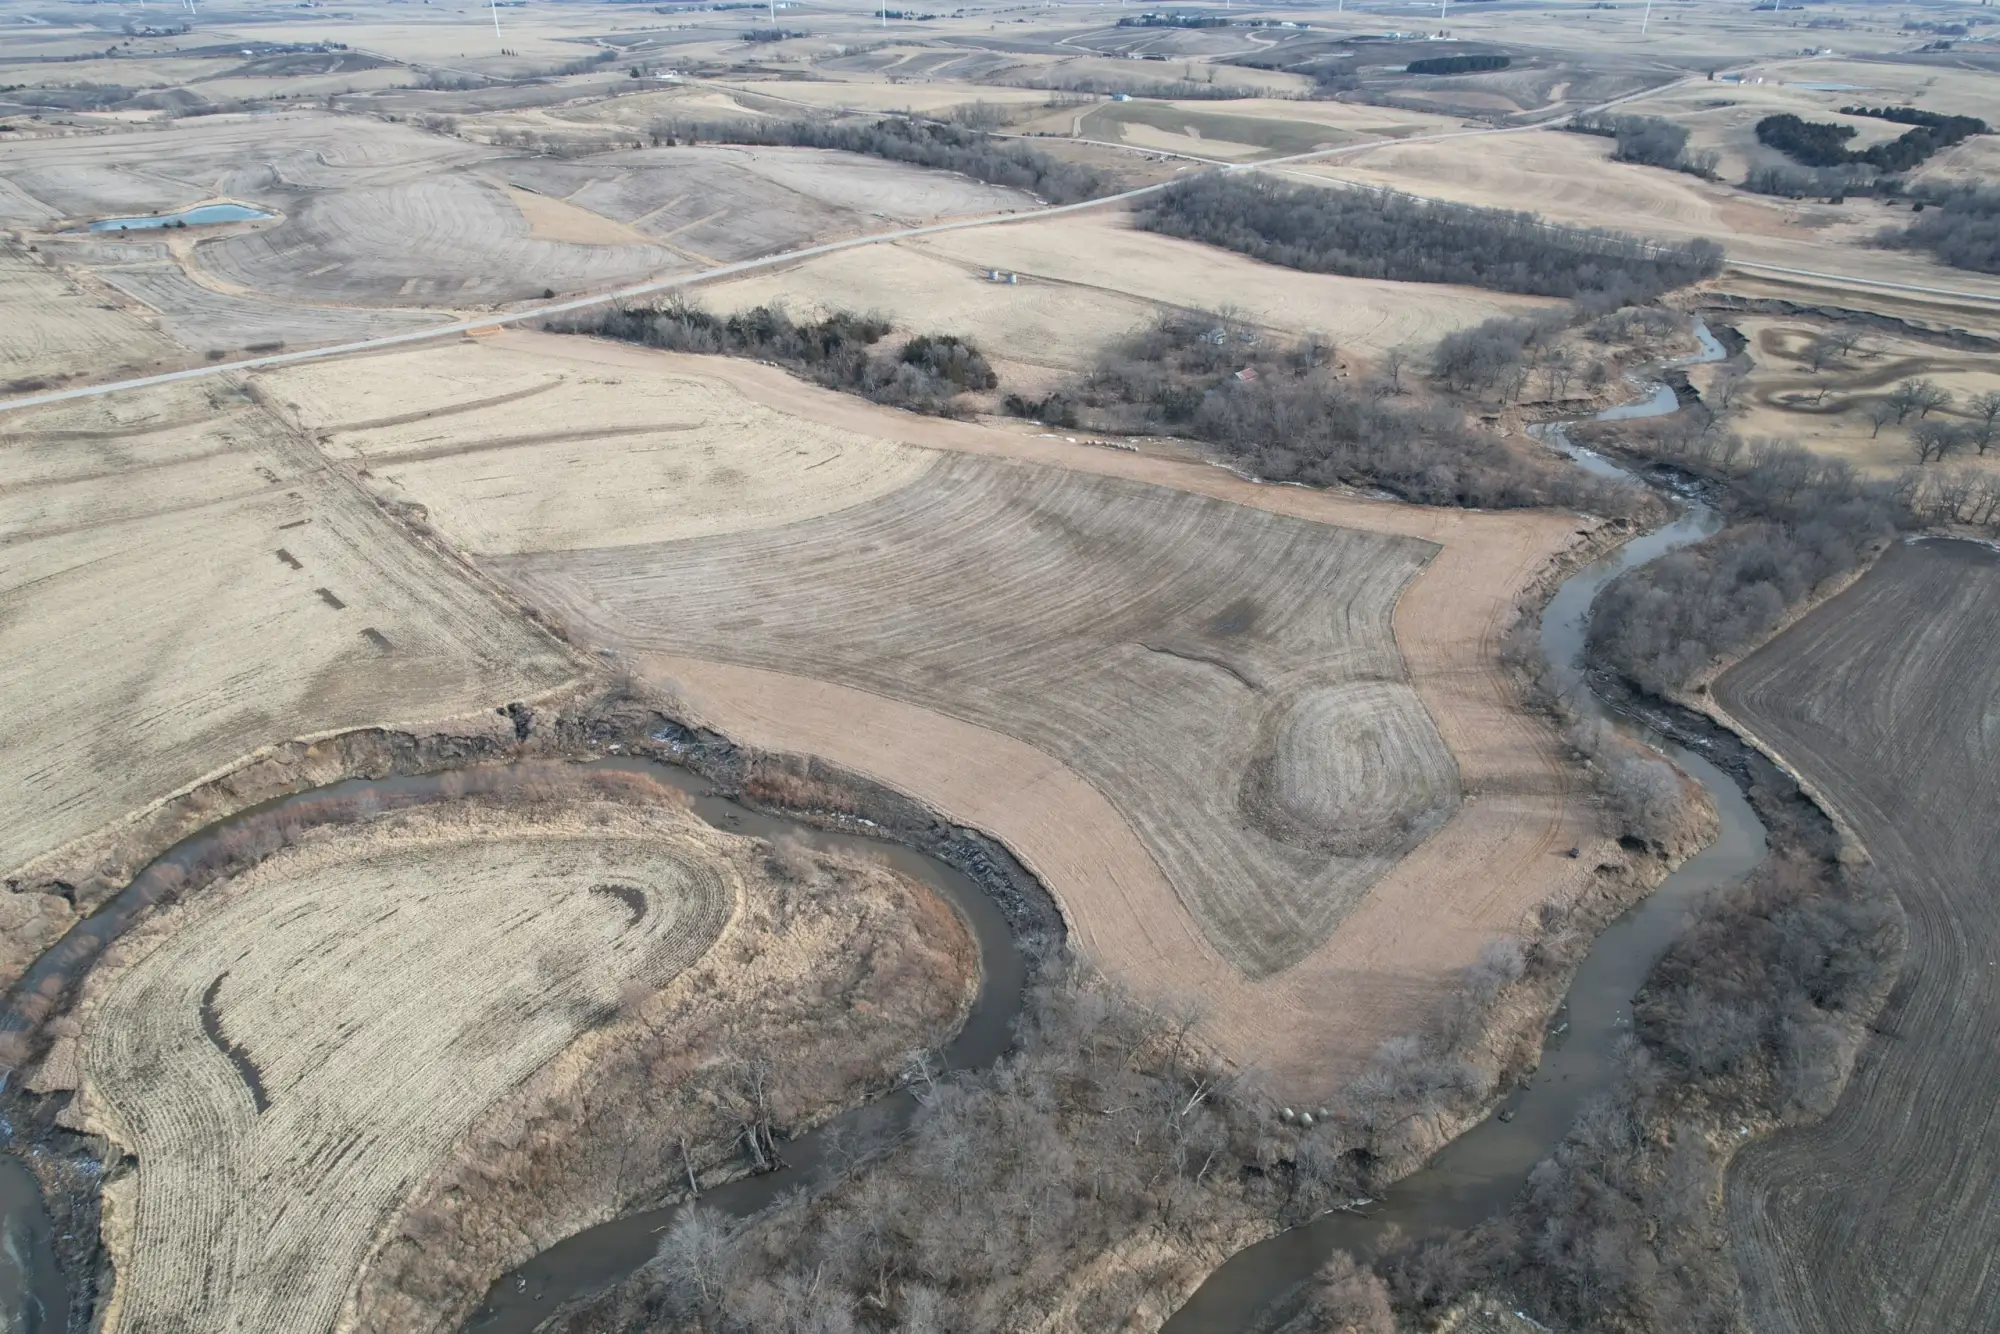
[(1886, 1216), (656, 286)]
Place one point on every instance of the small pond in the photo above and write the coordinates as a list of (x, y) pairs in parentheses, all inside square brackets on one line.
[(204, 215)]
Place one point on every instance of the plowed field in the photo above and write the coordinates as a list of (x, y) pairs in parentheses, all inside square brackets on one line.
[(1226, 677), (1885, 1216)]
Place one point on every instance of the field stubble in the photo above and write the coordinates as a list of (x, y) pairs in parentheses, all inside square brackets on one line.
[(183, 583), (290, 1051), (1481, 874), (1883, 1217)]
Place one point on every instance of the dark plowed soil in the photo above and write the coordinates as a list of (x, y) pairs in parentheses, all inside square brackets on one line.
[(1886, 1216)]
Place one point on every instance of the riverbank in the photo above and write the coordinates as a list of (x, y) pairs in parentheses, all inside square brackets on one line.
[(380, 768)]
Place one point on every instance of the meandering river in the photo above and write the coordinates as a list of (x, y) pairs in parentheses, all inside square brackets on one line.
[(1473, 1178)]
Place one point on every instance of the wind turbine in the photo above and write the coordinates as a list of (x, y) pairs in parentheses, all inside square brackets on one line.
[(1646, 18), (495, 6)]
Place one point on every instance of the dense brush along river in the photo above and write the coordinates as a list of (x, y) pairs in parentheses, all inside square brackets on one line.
[(1475, 1177)]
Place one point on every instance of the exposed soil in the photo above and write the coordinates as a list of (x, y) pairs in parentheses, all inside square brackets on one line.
[(1880, 1217)]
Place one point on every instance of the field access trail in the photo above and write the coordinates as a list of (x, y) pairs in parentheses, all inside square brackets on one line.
[(1886, 1215), (781, 258)]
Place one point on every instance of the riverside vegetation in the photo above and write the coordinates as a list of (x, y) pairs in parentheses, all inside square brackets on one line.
[(1279, 410)]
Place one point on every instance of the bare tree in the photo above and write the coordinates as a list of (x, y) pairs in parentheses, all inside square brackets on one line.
[(1726, 389), (1348, 1298), (1559, 370), (1880, 412), (1985, 410), (695, 1262), (1930, 396), (1843, 338), (1904, 398), (1939, 440), (1818, 352), (1393, 362), (1644, 797)]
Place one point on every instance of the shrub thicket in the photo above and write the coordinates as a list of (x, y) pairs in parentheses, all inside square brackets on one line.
[(1961, 227), (1457, 64), (1278, 411), (922, 143), (928, 375), (1367, 234), (1803, 520), (1752, 1016), (1648, 140)]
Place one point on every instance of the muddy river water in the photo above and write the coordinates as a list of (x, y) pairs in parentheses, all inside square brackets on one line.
[(1471, 1179), (1477, 1175)]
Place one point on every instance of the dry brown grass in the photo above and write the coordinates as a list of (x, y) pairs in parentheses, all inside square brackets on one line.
[(836, 968), (513, 451), (54, 326), (1101, 253), (1783, 398)]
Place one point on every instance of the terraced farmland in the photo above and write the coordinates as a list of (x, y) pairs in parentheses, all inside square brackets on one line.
[(511, 449), (182, 582), (293, 1051), (1884, 1217), (1225, 676)]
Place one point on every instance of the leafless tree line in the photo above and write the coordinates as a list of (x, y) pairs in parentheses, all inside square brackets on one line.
[(1364, 233), (927, 374), (1752, 1017), (1109, 1126), (1279, 409)]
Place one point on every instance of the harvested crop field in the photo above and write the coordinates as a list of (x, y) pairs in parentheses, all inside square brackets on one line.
[(450, 239), (1093, 254), (1481, 874), (184, 580), (370, 214), (294, 1049), (54, 326), (1884, 1216), (1225, 677), (511, 452), (200, 318)]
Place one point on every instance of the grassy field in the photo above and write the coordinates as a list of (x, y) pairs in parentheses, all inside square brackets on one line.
[(1881, 1217), (1094, 252), (183, 582), (1207, 133), (1782, 397)]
